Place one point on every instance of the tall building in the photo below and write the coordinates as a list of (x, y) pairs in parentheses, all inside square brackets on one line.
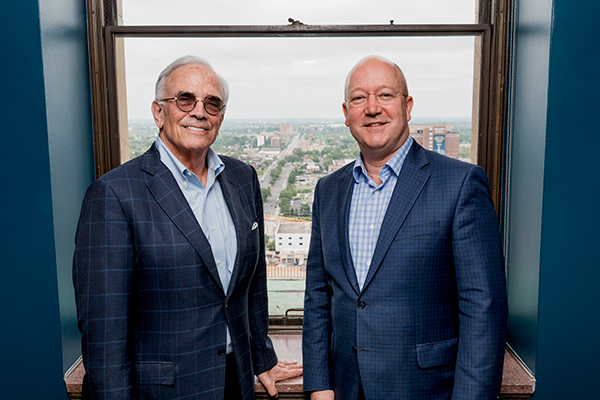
[(286, 131), (304, 145), (438, 138)]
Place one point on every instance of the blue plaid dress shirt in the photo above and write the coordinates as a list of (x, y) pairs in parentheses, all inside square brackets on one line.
[(368, 206)]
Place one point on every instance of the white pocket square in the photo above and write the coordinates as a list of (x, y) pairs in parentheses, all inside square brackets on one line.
[(254, 225)]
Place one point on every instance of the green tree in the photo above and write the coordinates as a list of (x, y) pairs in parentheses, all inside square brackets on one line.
[(305, 209), (292, 177), (266, 193)]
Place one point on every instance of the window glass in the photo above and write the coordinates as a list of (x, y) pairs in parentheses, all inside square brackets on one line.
[(313, 12), (285, 118)]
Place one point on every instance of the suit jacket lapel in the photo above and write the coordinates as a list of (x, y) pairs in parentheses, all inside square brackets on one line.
[(168, 195), (228, 187), (410, 183), (345, 189)]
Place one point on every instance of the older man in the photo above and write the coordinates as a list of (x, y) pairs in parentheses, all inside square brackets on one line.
[(405, 289), (169, 266)]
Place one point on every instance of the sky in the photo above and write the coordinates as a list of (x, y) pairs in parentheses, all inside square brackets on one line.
[(304, 77)]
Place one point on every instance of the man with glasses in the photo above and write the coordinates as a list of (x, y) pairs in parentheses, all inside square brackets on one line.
[(405, 288), (169, 267)]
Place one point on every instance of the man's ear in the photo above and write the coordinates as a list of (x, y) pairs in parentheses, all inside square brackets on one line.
[(409, 107), (345, 110), (157, 114)]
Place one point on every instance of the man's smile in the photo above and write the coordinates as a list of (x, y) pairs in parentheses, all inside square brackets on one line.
[(375, 124)]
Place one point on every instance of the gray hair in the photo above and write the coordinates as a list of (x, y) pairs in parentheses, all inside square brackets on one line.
[(401, 77), (159, 92)]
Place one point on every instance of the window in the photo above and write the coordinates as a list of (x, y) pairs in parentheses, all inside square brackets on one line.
[(286, 82)]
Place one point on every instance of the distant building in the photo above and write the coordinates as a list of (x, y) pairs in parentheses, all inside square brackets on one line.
[(275, 142), (438, 138), (310, 166), (269, 153), (260, 140), (337, 164), (304, 145), (292, 241), (286, 131), (308, 179)]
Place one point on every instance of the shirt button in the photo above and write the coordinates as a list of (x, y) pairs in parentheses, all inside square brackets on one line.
[(376, 191), (214, 228), (361, 304), (219, 262), (368, 263), (371, 227)]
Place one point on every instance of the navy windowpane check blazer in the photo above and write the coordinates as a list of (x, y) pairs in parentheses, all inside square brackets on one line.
[(150, 304), (430, 321)]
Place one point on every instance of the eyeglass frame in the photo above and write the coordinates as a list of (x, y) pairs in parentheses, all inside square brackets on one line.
[(349, 98), (196, 100)]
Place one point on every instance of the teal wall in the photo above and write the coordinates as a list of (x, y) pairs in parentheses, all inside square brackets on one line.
[(526, 171), (554, 217), (68, 115), (46, 162)]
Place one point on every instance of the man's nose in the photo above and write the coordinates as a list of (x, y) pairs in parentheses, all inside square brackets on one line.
[(373, 106), (198, 111)]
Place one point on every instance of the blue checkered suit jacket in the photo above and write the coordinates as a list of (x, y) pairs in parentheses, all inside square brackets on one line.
[(430, 321), (150, 303)]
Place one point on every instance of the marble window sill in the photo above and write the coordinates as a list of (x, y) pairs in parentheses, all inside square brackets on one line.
[(517, 381)]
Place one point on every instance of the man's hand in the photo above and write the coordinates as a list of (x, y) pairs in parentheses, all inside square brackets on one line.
[(322, 395), (283, 370)]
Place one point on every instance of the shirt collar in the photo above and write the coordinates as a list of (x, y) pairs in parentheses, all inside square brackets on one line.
[(394, 164), (179, 171)]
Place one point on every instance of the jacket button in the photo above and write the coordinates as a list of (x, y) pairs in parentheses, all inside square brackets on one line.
[(354, 349), (226, 303), (222, 352), (361, 304)]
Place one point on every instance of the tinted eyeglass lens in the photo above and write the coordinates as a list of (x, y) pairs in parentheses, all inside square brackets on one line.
[(186, 103), (213, 105)]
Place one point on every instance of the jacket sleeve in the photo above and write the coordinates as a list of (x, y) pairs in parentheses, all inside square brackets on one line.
[(263, 353), (481, 286), (316, 331), (102, 276)]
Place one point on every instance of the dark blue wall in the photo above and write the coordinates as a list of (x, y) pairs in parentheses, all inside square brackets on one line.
[(46, 162), (555, 196)]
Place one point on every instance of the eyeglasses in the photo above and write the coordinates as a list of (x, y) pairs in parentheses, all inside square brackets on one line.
[(186, 102), (383, 97)]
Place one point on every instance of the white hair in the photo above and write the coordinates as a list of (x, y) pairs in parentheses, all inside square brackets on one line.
[(159, 92)]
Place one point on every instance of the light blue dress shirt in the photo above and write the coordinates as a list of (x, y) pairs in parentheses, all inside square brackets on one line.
[(209, 208), (368, 206)]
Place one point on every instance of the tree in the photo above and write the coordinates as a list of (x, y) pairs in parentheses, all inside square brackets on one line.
[(292, 177), (266, 193), (305, 209)]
